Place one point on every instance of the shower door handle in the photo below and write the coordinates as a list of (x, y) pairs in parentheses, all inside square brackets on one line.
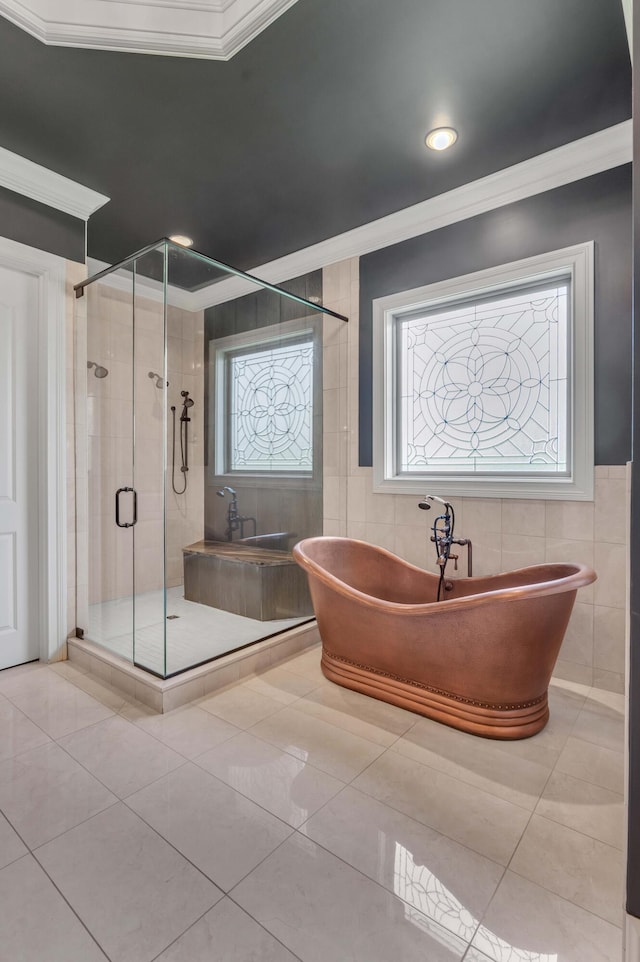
[(126, 524)]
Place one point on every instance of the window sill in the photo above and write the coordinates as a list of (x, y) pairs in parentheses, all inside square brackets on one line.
[(560, 489)]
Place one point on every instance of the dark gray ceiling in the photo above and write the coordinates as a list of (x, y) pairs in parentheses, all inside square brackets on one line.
[(317, 125)]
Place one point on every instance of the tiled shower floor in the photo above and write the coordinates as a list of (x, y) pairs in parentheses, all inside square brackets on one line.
[(197, 634), (285, 818)]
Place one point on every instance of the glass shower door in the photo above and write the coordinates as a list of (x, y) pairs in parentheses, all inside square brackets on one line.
[(108, 576), (150, 399)]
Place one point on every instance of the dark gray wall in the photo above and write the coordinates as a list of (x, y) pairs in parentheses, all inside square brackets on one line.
[(47, 229), (633, 860), (288, 504), (597, 208)]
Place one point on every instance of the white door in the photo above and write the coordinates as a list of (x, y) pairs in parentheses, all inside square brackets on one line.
[(19, 589)]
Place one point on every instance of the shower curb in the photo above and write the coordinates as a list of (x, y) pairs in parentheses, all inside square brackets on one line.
[(163, 695)]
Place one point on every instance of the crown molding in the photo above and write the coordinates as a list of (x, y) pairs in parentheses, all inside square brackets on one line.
[(207, 29), (582, 158), (39, 183)]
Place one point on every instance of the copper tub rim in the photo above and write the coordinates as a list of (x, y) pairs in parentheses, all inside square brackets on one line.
[(580, 575)]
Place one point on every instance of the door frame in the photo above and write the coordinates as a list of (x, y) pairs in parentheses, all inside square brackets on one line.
[(49, 270)]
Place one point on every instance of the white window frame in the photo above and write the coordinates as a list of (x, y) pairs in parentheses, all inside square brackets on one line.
[(577, 484)]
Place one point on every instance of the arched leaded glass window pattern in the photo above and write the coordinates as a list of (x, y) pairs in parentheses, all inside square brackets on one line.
[(270, 412)]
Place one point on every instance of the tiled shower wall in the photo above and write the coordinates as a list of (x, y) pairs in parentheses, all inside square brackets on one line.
[(185, 372), (103, 414), (506, 534)]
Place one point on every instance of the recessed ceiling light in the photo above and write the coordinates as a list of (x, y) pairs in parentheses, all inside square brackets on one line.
[(181, 239), (441, 137)]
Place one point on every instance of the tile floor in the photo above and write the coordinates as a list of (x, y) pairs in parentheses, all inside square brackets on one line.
[(196, 633), (285, 818)]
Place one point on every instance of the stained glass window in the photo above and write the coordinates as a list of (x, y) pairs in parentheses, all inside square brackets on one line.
[(483, 385), (270, 408)]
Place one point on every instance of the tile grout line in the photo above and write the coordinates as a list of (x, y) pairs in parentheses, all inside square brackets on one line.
[(418, 822), (293, 829), (206, 912), (67, 902), (32, 853)]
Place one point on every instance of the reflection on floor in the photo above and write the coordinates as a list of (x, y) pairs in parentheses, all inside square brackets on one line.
[(286, 818), (195, 633)]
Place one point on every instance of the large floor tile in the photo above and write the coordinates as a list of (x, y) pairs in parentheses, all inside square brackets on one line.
[(54, 704), (485, 823), (600, 766), (229, 934), (585, 807), (11, 846), (526, 921), (574, 866), (370, 718), (480, 762), (323, 909), (131, 889), (545, 747), (609, 699), (429, 871), (307, 664), (281, 685), (286, 786), (189, 731), (17, 732), (331, 749), (10, 676), (37, 923), (121, 755), (600, 725), (215, 827), (241, 706), (475, 955), (44, 792)]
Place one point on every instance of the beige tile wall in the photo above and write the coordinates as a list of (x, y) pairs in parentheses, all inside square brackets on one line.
[(185, 371), (506, 534)]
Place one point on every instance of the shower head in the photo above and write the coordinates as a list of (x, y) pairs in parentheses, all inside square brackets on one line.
[(187, 402), (160, 382), (99, 370), (221, 492)]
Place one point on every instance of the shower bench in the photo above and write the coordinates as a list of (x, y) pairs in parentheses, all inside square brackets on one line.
[(259, 583)]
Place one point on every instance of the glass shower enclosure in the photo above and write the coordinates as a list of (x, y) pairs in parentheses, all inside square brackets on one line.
[(199, 455)]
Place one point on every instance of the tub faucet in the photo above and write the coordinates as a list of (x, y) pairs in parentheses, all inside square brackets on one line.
[(235, 521), (443, 538)]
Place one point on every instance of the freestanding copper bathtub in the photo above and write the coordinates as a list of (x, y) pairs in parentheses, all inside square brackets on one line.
[(481, 660)]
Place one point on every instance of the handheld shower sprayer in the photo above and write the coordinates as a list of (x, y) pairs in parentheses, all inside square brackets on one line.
[(187, 403), (424, 504)]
